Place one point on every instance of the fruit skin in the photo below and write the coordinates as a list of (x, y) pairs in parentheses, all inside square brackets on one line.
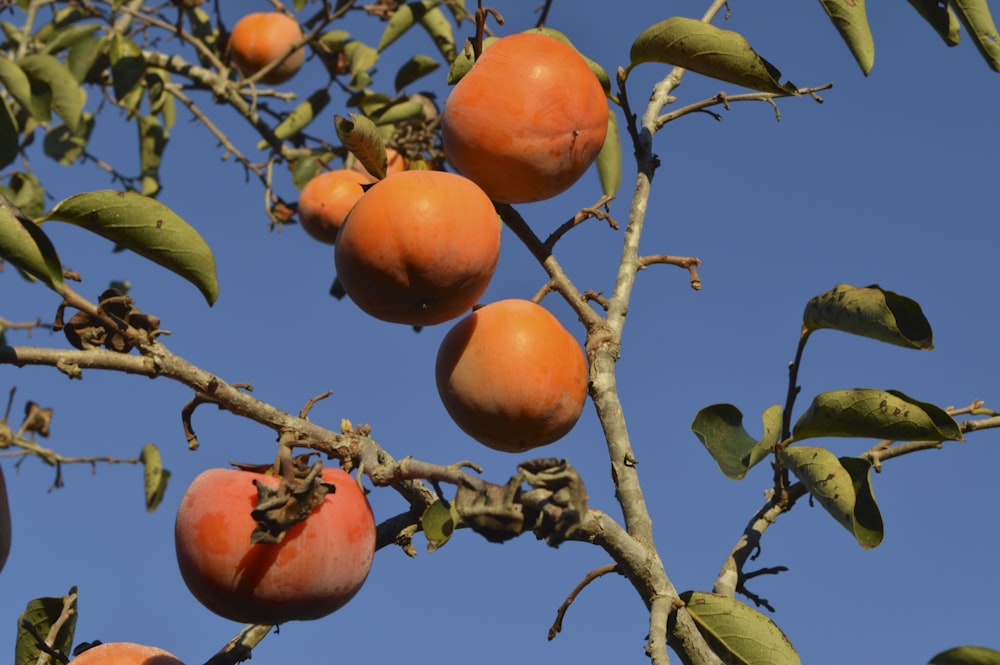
[(260, 38), (319, 566), (125, 653), (511, 376), (326, 199), (527, 120), (419, 248)]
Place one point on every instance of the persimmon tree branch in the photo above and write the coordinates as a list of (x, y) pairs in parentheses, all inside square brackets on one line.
[(725, 100)]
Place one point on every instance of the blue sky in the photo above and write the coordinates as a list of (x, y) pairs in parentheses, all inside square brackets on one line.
[(891, 180)]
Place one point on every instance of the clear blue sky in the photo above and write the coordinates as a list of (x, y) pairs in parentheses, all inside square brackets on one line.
[(891, 180)]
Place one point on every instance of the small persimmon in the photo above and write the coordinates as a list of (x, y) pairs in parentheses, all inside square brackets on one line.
[(511, 376), (527, 120), (259, 39), (326, 199), (419, 248), (316, 569), (125, 653)]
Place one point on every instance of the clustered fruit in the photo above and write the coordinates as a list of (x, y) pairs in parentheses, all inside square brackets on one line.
[(418, 247)]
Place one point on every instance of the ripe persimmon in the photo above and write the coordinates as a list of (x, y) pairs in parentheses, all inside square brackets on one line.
[(326, 199), (259, 39), (319, 565), (527, 120), (419, 247), (394, 163), (511, 376), (125, 653)]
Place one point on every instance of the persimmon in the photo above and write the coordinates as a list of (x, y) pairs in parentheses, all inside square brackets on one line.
[(394, 163), (527, 120), (259, 39), (326, 199), (316, 569), (511, 376), (419, 248), (125, 653)]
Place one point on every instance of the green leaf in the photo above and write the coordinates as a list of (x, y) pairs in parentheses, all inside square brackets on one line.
[(67, 37), (306, 168), (360, 58), (870, 311), (83, 54), (399, 110), (29, 195), (42, 614), (147, 227), (720, 429), (404, 18), (851, 21), (18, 85), (155, 477), (842, 486), (463, 62), (152, 143), (64, 145), (414, 69), (609, 159), (27, 247), (739, 635), (439, 28), (360, 135), (710, 51), (438, 523), (941, 18), (8, 134), (335, 40), (967, 655), (300, 117), (56, 84), (876, 414), (127, 65), (975, 14)]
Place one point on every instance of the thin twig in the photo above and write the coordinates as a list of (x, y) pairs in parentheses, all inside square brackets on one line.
[(590, 577), (724, 100)]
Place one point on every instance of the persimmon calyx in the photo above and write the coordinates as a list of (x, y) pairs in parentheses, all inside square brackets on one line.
[(551, 509), (84, 331), (279, 509)]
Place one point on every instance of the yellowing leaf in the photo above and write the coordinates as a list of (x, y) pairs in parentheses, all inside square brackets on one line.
[(739, 634), (154, 476), (609, 159), (851, 21), (842, 486), (705, 49), (873, 312), (875, 414), (975, 14)]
